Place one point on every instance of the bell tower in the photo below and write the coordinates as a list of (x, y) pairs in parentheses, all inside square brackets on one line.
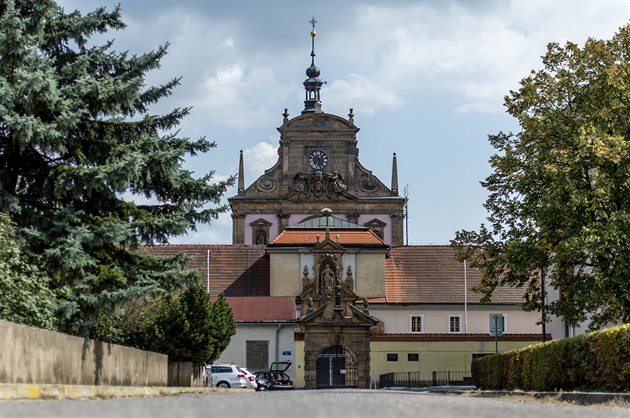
[(318, 166)]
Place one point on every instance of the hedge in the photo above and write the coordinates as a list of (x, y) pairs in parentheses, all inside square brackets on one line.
[(597, 360)]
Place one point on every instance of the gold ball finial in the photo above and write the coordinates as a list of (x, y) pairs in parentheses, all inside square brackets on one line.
[(313, 33)]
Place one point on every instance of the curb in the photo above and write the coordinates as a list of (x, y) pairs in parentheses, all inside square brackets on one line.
[(581, 398), (24, 391)]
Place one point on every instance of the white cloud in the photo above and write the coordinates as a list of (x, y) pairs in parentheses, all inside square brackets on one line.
[(477, 53), (257, 159)]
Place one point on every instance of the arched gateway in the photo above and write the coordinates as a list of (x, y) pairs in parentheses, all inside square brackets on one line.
[(337, 367)]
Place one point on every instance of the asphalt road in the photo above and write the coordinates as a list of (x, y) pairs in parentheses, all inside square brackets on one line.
[(306, 403)]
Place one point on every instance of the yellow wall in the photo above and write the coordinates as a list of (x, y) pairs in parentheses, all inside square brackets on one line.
[(370, 275), (299, 364), (434, 356), (284, 274)]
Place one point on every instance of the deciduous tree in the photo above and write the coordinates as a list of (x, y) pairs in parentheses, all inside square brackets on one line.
[(559, 194)]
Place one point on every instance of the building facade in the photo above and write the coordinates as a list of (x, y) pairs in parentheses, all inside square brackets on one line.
[(318, 274)]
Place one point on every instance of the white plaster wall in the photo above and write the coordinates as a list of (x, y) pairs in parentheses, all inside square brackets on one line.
[(281, 339), (436, 318)]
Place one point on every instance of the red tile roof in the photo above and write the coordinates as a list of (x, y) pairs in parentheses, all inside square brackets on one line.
[(430, 274), (235, 270), (263, 308), (417, 274), (310, 237)]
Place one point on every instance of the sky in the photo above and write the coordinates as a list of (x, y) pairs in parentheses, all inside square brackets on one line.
[(426, 80)]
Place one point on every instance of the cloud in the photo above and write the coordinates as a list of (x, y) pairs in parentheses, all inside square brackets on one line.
[(257, 159), (478, 54)]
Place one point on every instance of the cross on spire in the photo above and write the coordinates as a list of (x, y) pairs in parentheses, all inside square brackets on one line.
[(312, 84)]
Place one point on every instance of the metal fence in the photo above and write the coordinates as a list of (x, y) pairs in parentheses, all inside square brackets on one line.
[(402, 379), (452, 378)]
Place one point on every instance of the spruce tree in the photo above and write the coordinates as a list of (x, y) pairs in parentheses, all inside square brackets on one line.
[(223, 326), (24, 294), (190, 327), (77, 139)]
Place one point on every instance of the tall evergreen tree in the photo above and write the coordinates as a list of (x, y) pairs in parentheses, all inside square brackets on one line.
[(190, 327), (24, 295), (76, 136), (559, 194), (223, 326)]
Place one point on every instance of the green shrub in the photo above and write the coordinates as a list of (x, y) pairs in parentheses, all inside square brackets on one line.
[(595, 361)]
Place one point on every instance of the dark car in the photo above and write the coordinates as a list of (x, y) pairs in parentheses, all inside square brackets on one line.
[(276, 377)]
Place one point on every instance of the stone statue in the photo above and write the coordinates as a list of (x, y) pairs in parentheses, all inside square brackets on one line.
[(309, 304), (349, 281), (327, 281), (306, 280)]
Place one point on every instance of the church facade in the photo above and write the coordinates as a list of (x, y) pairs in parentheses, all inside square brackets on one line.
[(318, 167), (318, 274)]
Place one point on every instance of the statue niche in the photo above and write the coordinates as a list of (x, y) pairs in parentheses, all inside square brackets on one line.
[(327, 281)]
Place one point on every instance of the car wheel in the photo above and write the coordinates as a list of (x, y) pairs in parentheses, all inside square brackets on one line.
[(224, 385), (261, 388)]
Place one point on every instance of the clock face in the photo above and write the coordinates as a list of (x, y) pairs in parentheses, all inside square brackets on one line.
[(318, 159)]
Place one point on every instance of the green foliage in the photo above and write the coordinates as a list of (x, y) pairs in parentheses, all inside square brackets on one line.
[(77, 144), (223, 327), (595, 361), (190, 327), (559, 194), (24, 295)]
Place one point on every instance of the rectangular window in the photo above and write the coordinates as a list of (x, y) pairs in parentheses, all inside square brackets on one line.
[(416, 323), (454, 324), (413, 357), (392, 357), (257, 354)]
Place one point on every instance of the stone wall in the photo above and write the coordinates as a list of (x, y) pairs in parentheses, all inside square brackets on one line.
[(32, 355), (185, 373)]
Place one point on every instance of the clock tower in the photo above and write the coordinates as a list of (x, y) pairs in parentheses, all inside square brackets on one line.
[(318, 166)]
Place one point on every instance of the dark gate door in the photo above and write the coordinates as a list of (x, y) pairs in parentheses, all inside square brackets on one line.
[(336, 368)]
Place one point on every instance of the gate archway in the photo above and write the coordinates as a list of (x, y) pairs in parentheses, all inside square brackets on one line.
[(337, 368)]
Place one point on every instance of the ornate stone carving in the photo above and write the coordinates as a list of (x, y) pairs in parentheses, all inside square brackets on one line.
[(306, 280), (265, 184), (319, 185), (327, 281), (369, 183), (349, 281)]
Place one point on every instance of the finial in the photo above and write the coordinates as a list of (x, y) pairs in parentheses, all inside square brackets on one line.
[(312, 84), (351, 116), (394, 175), (241, 175), (285, 116)]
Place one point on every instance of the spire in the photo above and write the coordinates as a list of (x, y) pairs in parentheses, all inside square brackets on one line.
[(394, 175), (241, 175), (312, 84)]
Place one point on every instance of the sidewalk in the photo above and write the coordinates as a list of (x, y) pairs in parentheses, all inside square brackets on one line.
[(15, 391), (581, 398)]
